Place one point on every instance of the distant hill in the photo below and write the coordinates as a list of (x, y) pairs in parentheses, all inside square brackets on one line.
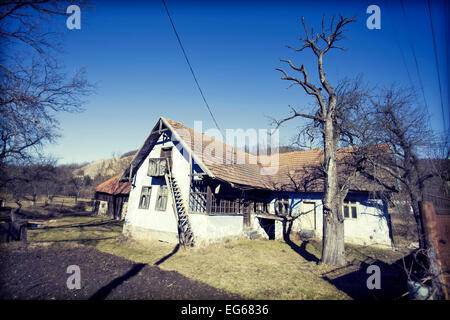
[(286, 149), (104, 167)]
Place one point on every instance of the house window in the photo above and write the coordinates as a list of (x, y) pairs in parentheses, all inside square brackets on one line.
[(261, 207), (350, 209), (157, 167), (282, 206), (166, 153), (144, 202), (161, 199)]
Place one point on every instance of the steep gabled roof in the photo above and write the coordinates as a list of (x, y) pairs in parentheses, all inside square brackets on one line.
[(114, 186), (161, 126), (220, 158), (295, 171)]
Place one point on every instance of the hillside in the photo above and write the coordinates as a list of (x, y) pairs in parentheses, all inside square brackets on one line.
[(104, 167)]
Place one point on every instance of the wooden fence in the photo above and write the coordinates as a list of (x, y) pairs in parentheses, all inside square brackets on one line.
[(437, 227), (441, 203), (61, 201)]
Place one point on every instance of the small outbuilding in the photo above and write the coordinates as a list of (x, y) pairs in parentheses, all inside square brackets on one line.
[(111, 198)]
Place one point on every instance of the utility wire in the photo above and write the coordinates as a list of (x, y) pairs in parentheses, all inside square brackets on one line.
[(446, 27), (437, 62), (189, 64), (400, 47), (414, 54)]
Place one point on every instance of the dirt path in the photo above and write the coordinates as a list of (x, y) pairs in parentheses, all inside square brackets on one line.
[(40, 272)]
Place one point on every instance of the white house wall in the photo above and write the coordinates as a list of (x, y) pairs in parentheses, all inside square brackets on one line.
[(212, 228), (150, 223), (371, 227)]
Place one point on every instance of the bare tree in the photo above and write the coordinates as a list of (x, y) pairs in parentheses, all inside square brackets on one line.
[(30, 98), (34, 23), (402, 124), (28, 182), (77, 184), (325, 115), (33, 88)]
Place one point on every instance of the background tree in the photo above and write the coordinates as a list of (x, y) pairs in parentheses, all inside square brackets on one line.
[(400, 122), (28, 182), (33, 86)]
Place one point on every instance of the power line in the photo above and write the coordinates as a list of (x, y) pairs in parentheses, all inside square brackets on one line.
[(400, 47), (446, 15), (437, 62), (189, 64), (414, 54)]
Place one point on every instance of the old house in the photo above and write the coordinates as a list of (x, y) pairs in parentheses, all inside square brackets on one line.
[(111, 198), (191, 188)]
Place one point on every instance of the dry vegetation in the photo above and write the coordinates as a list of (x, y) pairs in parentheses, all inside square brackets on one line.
[(253, 269), (404, 227)]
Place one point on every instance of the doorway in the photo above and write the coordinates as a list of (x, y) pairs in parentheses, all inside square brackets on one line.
[(269, 227)]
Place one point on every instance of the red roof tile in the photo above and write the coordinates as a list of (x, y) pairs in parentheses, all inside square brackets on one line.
[(114, 187), (296, 171), (292, 171)]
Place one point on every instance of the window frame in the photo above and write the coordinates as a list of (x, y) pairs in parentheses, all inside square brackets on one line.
[(350, 204), (148, 193), (157, 167), (263, 204), (283, 202), (167, 153), (162, 194)]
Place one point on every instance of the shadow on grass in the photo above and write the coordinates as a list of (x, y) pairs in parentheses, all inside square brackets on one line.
[(354, 284), (300, 250), (103, 292), (175, 250)]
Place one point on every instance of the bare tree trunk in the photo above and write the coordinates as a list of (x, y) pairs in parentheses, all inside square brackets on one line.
[(15, 211), (34, 200), (415, 199), (324, 116), (333, 251)]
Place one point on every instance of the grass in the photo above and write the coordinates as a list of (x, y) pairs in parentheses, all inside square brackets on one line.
[(254, 269), (80, 229)]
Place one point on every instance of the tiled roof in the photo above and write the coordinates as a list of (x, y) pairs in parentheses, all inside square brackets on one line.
[(114, 187), (295, 171), (220, 158)]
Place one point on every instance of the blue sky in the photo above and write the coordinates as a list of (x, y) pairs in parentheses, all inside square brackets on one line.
[(130, 51)]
